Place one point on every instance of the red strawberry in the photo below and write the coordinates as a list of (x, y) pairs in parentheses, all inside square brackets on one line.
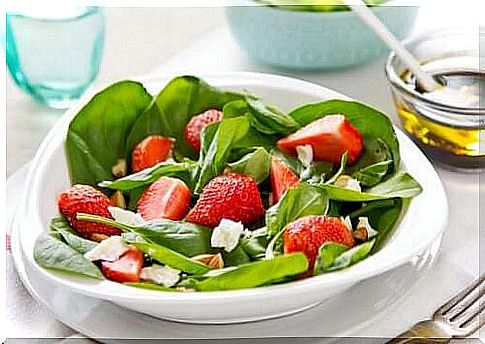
[(308, 233), (86, 199), (197, 123), (151, 151), (126, 269), (167, 198), (282, 178), (330, 137), (230, 196)]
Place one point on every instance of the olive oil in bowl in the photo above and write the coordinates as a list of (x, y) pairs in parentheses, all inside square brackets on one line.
[(449, 123)]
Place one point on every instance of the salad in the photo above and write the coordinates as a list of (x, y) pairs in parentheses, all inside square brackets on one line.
[(315, 5), (202, 189)]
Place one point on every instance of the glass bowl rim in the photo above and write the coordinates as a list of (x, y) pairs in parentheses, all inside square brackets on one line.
[(436, 34)]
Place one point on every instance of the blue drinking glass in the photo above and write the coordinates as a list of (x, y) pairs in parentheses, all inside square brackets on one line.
[(55, 55)]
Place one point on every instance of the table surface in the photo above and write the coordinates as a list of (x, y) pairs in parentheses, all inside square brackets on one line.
[(182, 37)]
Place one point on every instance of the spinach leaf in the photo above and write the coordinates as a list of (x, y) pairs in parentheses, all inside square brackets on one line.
[(236, 257), (297, 202), (52, 253), (147, 176), (401, 185), (257, 273), (150, 286), (134, 196), (372, 174), (235, 108), (383, 216), (216, 149), (254, 165), (59, 225), (327, 253), (269, 120), (169, 113), (333, 256), (255, 245), (171, 258), (371, 123), (96, 137), (185, 238), (340, 171)]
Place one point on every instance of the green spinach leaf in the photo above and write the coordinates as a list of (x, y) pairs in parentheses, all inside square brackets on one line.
[(269, 120), (256, 273), (59, 225), (216, 148), (297, 202), (96, 137), (333, 256), (254, 165), (180, 170), (372, 175), (52, 253), (401, 185), (171, 258), (169, 113)]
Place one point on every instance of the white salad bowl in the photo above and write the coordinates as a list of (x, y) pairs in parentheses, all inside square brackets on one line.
[(422, 224)]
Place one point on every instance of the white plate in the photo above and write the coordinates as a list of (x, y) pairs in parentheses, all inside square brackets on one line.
[(353, 312), (422, 224)]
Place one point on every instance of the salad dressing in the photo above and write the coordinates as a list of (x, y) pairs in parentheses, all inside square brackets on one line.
[(452, 132)]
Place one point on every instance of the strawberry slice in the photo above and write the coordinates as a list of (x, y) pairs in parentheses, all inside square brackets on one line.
[(330, 137), (167, 198), (282, 178), (151, 151), (197, 124), (126, 269)]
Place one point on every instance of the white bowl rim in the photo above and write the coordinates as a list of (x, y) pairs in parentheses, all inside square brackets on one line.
[(369, 267)]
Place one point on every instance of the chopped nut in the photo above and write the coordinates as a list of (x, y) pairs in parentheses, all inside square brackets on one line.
[(118, 200), (184, 289), (99, 237), (119, 169), (364, 230), (214, 261)]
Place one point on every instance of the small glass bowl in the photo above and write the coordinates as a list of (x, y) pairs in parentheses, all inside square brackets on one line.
[(451, 135)]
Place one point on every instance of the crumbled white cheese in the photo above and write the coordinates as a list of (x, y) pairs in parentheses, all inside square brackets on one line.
[(110, 249), (126, 217), (364, 224), (163, 275), (305, 154), (347, 222), (226, 234), (347, 182)]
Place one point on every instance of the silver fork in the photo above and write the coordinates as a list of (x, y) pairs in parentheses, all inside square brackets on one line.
[(457, 318)]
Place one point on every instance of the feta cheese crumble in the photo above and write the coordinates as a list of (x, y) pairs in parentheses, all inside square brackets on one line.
[(226, 234), (305, 154), (109, 249), (126, 217), (347, 182), (159, 274)]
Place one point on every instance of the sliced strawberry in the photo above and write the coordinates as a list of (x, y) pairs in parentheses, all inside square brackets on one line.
[(86, 199), (151, 151), (197, 124), (330, 137), (230, 196), (126, 269), (282, 178), (308, 233), (167, 198)]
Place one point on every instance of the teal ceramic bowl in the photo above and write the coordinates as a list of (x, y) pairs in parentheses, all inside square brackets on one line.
[(314, 40)]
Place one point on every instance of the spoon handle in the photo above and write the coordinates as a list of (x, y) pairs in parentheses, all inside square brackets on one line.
[(426, 81)]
